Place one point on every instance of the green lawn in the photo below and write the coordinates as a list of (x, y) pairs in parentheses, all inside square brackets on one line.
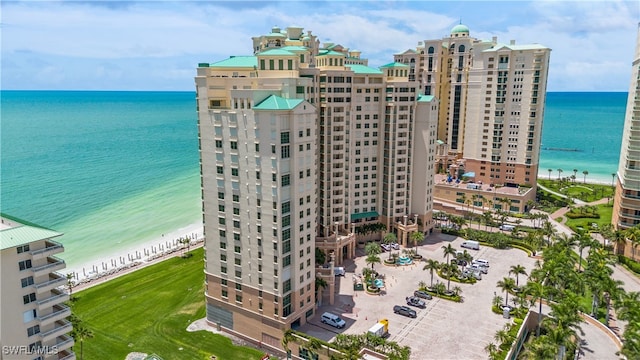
[(605, 211), (579, 190), (149, 310)]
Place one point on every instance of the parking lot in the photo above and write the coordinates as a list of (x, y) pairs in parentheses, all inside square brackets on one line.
[(444, 329)]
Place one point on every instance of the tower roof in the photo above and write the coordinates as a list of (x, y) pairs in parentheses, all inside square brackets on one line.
[(458, 29)]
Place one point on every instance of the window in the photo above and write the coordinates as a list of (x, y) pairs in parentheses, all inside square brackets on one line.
[(234, 145), (237, 249), (236, 198), (286, 180), (222, 221), (257, 147), (238, 274), (236, 224), (236, 211), (27, 281), (223, 257), (223, 269), (25, 264), (219, 144), (23, 248), (284, 137), (234, 172), (29, 298), (285, 152), (238, 261), (221, 195), (33, 330), (225, 293), (222, 233)]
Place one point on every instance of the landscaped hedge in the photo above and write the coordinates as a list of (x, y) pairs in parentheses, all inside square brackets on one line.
[(630, 264), (469, 280), (573, 215)]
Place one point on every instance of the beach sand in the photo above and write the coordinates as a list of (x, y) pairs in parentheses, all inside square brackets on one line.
[(121, 262)]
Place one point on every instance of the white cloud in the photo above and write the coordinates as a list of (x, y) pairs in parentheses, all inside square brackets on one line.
[(84, 45)]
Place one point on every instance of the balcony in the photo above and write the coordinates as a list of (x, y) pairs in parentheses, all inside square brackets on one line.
[(53, 264), (66, 355), (61, 328), (64, 342), (60, 312), (51, 248), (56, 297), (55, 280)]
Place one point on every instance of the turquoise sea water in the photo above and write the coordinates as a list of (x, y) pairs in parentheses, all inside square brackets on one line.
[(115, 169)]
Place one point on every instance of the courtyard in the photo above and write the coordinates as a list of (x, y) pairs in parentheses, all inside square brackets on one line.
[(444, 329)]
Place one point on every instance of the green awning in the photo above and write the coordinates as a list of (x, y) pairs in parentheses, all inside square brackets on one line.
[(369, 214)]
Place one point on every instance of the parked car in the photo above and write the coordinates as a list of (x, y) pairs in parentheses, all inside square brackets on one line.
[(470, 273), (479, 268), (415, 301), (422, 294), (481, 262), (385, 247), (405, 311), (395, 246)]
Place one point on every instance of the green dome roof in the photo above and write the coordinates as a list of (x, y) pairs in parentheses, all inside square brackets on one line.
[(460, 29)]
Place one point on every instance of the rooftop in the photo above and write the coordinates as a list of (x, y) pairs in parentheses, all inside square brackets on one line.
[(394, 64), (362, 69), (277, 52), (274, 102), (15, 232), (237, 62), (425, 98)]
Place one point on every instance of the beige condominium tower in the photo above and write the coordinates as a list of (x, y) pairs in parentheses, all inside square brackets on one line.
[(626, 210), (33, 315), (300, 144), (492, 99)]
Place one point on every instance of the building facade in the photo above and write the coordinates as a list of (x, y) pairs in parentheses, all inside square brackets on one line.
[(33, 315), (300, 144), (492, 99), (626, 209)]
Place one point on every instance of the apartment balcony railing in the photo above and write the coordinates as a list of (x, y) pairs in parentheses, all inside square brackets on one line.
[(64, 342), (51, 248), (61, 327), (57, 297), (60, 312), (66, 355), (53, 264), (55, 280)]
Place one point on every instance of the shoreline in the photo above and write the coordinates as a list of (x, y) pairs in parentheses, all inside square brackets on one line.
[(137, 256), (578, 181)]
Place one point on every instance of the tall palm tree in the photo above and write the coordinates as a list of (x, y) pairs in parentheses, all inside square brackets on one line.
[(507, 285), (80, 334), (416, 237), (388, 239), (584, 240), (372, 248), (575, 171), (70, 282), (517, 270), (312, 346), (449, 270), (372, 259), (585, 173), (448, 250), (320, 284), (432, 265), (550, 171), (548, 230), (559, 172)]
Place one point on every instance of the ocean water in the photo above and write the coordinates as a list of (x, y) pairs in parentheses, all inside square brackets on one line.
[(108, 169), (112, 170), (591, 123)]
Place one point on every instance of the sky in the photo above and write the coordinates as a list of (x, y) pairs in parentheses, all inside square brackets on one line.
[(156, 45)]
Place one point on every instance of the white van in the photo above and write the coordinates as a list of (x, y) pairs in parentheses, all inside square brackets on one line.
[(506, 227), (338, 271), (333, 320), (471, 244)]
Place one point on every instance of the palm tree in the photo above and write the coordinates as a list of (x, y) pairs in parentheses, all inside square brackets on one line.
[(320, 284), (372, 248), (70, 283), (80, 334), (312, 346), (575, 171), (501, 336), (491, 348), (517, 270), (584, 240), (416, 237), (457, 290), (507, 285), (372, 259), (539, 348), (448, 250), (449, 270), (432, 265), (585, 173), (388, 239), (537, 292), (559, 172), (550, 171), (549, 230)]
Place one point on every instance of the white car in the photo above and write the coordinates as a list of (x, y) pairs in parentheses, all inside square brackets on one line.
[(395, 246), (385, 247)]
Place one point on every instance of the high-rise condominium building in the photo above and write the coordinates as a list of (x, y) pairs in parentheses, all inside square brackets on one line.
[(626, 210), (33, 321), (492, 99), (301, 144)]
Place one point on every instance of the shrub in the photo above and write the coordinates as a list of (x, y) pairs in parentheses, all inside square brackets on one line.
[(585, 215), (630, 264)]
